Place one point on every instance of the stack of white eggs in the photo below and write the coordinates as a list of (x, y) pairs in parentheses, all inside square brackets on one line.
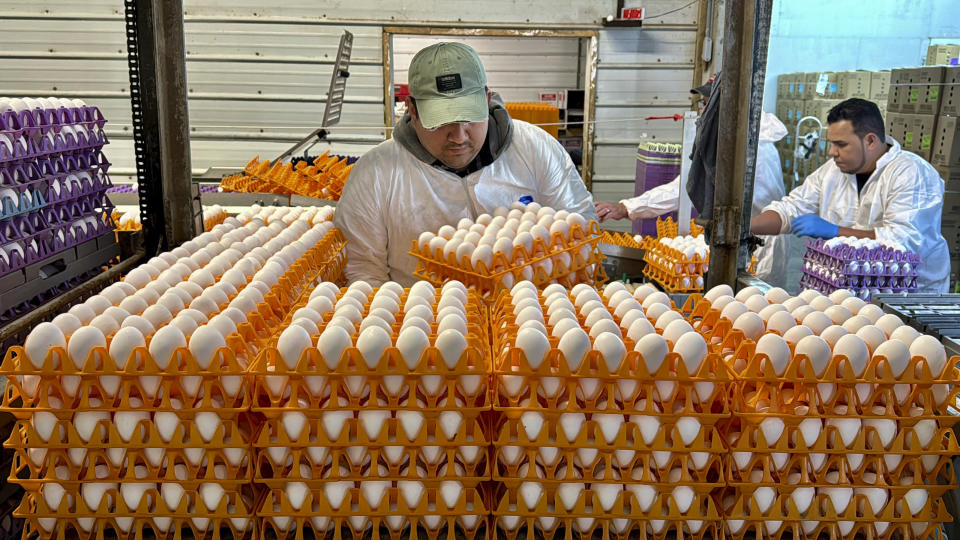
[(375, 400), (610, 402), (811, 428), (288, 214), (135, 414), (523, 242), (681, 260)]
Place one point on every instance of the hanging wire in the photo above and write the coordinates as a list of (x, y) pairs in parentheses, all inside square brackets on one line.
[(671, 11)]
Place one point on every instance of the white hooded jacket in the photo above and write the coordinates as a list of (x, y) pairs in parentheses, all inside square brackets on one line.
[(392, 197), (768, 186), (901, 202)]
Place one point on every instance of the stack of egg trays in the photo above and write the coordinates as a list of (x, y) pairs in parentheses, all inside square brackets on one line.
[(854, 268), (214, 457), (583, 253), (314, 455), (671, 269), (770, 451), (639, 460), (228, 449), (48, 167)]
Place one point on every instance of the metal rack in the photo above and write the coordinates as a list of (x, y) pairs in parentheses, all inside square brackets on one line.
[(934, 314)]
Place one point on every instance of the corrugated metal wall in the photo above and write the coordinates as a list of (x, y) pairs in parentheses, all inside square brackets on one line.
[(258, 73)]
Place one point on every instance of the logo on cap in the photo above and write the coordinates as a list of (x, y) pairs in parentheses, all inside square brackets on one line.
[(449, 83)]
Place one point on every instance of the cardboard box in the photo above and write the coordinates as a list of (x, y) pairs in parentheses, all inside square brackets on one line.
[(950, 92), (896, 127), (820, 84), (940, 55), (821, 107), (926, 88), (800, 86), (919, 135), (810, 84), (946, 146), (951, 177), (897, 96), (879, 85), (853, 84)]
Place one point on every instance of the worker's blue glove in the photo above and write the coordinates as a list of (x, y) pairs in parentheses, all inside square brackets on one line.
[(815, 226)]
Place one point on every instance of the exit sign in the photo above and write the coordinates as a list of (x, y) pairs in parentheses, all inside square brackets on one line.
[(635, 14)]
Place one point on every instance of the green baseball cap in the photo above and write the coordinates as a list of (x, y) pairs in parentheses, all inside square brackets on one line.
[(449, 84)]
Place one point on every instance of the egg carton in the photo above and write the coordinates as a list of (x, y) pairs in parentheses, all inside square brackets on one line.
[(73, 518), (673, 262), (817, 250), (550, 528), (665, 504), (66, 187), (583, 256), (820, 519), (324, 177), (391, 527), (432, 463)]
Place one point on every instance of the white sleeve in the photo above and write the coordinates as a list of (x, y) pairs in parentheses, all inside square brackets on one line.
[(654, 202), (913, 203), (768, 179), (561, 184), (359, 217), (803, 200)]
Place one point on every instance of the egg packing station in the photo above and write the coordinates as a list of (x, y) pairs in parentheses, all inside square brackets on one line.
[(231, 386), (54, 214)]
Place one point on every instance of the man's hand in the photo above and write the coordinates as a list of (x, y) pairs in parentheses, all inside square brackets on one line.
[(606, 210), (815, 226)]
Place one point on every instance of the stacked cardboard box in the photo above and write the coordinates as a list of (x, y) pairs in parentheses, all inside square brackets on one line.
[(800, 95), (942, 55)]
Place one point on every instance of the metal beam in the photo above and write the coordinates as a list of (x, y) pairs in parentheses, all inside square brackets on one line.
[(747, 31), (173, 121)]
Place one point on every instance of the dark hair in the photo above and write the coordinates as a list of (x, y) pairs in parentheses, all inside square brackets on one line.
[(863, 115)]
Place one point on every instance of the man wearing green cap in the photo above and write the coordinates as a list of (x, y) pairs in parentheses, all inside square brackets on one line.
[(455, 154)]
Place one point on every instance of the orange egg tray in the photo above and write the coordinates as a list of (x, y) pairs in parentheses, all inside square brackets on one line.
[(378, 527), (323, 179), (606, 529), (234, 509), (702, 509), (583, 254), (227, 446), (316, 504), (668, 228), (349, 464), (826, 521), (619, 239)]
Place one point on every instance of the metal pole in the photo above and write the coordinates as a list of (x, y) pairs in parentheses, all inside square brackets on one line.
[(173, 121), (746, 35)]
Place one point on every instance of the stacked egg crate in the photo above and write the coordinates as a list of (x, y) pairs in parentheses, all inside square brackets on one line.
[(142, 390), (677, 263), (322, 178), (605, 425), (523, 242), (374, 402), (53, 178), (862, 265), (841, 417)]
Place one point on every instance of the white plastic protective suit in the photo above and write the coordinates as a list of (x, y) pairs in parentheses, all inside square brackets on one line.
[(768, 186), (901, 202), (392, 197)]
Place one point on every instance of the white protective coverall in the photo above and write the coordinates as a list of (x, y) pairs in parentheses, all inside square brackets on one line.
[(768, 186), (901, 202), (392, 197)]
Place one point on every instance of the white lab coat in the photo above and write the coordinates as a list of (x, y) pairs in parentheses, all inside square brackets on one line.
[(901, 202), (392, 197), (768, 186)]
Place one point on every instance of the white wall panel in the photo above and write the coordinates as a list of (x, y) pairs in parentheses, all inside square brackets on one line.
[(258, 71)]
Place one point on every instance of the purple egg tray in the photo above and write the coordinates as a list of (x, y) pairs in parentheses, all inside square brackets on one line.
[(52, 180), (40, 121), (56, 227), (862, 270)]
